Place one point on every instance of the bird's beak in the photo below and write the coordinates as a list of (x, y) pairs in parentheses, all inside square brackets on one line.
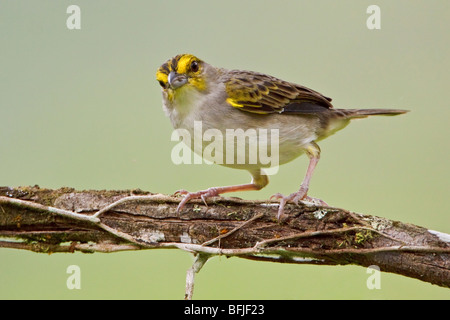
[(176, 80)]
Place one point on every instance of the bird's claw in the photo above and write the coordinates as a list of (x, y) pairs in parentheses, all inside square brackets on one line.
[(180, 192), (204, 194), (276, 196), (294, 198)]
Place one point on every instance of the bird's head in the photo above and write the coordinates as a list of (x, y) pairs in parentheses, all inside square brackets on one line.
[(181, 75)]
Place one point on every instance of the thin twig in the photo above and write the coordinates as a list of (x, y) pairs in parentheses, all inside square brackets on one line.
[(207, 243), (198, 248), (308, 234), (37, 206), (153, 197), (199, 262)]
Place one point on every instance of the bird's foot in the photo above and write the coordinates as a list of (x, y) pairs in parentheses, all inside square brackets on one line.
[(294, 198), (203, 194)]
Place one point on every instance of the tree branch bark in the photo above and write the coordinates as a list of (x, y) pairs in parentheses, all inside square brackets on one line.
[(67, 220)]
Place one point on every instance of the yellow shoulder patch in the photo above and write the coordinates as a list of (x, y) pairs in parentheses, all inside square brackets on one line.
[(234, 103)]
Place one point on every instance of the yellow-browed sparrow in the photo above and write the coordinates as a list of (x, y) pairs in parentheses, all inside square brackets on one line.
[(212, 104)]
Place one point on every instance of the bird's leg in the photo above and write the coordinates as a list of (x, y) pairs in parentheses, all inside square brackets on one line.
[(313, 152), (259, 181)]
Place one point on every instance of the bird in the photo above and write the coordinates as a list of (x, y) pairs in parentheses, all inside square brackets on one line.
[(195, 92)]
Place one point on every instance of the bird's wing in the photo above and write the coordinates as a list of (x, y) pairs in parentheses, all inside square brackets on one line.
[(263, 94)]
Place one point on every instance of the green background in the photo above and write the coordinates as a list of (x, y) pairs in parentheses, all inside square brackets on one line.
[(81, 108)]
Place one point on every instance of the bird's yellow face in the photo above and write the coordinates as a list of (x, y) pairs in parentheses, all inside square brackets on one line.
[(180, 75)]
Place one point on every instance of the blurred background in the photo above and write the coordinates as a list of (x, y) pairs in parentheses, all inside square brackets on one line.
[(82, 108)]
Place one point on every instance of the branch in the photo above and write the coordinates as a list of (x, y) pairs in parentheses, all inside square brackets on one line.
[(66, 220)]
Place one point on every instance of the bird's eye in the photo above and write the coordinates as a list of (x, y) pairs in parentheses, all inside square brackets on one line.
[(162, 84), (194, 66)]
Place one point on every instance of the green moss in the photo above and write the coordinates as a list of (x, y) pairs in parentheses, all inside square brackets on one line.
[(356, 240), (363, 236)]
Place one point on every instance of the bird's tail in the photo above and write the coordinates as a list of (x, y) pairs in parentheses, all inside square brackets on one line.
[(363, 113)]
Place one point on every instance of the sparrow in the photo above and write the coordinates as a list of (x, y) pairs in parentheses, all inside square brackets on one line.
[(223, 101)]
